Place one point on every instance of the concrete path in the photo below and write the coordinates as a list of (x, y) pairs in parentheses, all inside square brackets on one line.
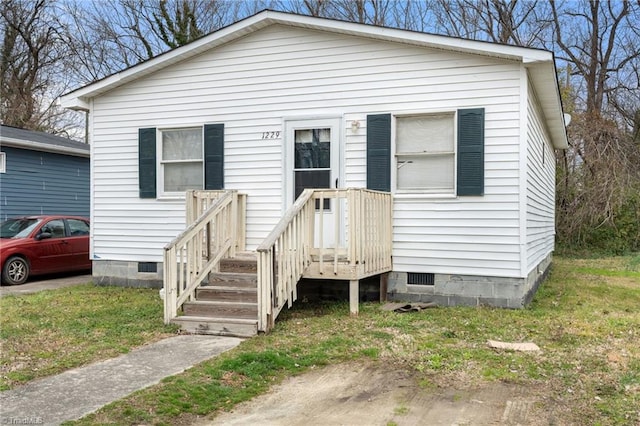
[(78, 392), (49, 282)]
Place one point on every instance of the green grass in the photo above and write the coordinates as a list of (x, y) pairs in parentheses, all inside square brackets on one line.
[(51, 331), (585, 318)]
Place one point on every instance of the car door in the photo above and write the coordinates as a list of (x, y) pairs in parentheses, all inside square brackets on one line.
[(53, 252), (79, 243)]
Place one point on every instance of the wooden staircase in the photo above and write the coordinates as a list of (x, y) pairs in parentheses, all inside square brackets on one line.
[(227, 304), (211, 286)]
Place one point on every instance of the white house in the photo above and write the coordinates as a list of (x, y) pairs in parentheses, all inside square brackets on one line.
[(461, 133)]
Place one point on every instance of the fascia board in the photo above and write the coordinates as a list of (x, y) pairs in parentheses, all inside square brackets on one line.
[(37, 146), (416, 38), (545, 83), (73, 102)]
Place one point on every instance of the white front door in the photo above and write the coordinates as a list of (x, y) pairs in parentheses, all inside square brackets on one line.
[(313, 148)]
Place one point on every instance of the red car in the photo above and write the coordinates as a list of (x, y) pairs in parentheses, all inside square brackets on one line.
[(36, 245)]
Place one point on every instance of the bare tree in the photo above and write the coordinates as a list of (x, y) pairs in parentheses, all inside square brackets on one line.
[(111, 35), (599, 39), (29, 64), (598, 201), (178, 26), (308, 7), (596, 43), (373, 12), (414, 15), (517, 22)]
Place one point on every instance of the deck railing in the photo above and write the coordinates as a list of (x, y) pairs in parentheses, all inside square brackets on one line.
[(347, 237), (197, 201), (216, 233)]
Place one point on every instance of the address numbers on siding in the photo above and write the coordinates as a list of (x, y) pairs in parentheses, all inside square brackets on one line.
[(270, 135)]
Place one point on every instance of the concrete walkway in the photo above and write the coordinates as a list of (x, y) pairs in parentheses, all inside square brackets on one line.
[(49, 282), (78, 392)]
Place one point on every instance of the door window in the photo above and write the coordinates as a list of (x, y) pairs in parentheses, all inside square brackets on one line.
[(78, 227), (55, 228), (312, 168)]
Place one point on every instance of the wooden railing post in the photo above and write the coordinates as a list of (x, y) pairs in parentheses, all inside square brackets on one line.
[(196, 252), (294, 243), (170, 285), (242, 222), (234, 224)]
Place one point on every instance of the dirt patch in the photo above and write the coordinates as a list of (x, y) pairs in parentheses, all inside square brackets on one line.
[(373, 394)]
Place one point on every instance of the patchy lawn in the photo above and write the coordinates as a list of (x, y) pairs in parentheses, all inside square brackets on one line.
[(48, 332), (585, 318)]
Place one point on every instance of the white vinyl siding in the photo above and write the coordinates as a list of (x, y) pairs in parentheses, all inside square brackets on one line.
[(540, 206), (253, 84)]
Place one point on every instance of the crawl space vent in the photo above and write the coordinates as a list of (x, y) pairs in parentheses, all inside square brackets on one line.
[(147, 267), (414, 278)]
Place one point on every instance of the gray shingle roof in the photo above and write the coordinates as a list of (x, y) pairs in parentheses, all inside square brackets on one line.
[(30, 139)]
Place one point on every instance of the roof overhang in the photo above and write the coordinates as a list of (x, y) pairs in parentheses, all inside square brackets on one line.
[(540, 61), (45, 147)]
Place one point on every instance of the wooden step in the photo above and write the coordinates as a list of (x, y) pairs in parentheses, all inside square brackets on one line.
[(217, 326), (233, 279), (227, 294), (243, 262), (205, 308)]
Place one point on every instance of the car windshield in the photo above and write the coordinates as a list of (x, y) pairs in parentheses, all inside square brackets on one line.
[(18, 228)]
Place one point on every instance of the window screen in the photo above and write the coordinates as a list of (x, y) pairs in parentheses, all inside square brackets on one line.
[(181, 161), (425, 153)]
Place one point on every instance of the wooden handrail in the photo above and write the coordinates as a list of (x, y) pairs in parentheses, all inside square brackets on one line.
[(359, 248), (282, 257), (287, 252), (197, 250), (284, 222)]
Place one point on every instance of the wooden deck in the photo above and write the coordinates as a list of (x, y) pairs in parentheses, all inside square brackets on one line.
[(212, 287)]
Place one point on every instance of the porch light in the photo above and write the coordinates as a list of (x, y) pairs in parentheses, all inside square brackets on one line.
[(355, 125)]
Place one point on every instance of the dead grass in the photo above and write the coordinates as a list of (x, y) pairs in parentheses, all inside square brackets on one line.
[(51, 331), (585, 318)]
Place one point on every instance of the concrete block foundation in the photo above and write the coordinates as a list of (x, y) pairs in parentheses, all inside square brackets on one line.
[(447, 289), (470, 290), (125, 274)]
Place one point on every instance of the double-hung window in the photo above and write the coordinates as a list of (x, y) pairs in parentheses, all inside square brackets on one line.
[(426, 153), (181, 160), (171, 161)]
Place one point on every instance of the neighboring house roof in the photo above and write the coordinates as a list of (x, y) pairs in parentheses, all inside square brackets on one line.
[(40, 141), (540, 63)]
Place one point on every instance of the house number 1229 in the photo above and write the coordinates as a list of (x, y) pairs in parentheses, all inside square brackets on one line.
[(270, 135)]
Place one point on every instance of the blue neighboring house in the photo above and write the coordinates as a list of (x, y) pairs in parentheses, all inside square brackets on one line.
[(42, 174)]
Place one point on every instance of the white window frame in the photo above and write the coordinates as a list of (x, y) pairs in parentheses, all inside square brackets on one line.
[(398, 155), (160, 162), (3, 162)]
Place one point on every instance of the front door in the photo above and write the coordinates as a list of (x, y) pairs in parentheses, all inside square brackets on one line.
[(314, 161)]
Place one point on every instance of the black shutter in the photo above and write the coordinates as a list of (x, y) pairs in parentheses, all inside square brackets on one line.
[(214, 156), (379, 152), (471, 151), (147, 162)]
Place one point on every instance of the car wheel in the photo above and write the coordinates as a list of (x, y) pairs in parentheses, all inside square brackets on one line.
[(15, 271)]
